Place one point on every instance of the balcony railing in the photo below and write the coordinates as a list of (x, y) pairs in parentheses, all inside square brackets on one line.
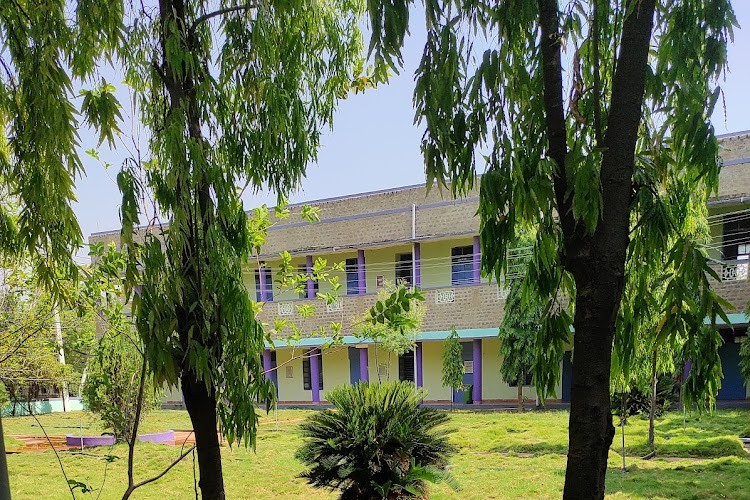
[(464, 306), (736, 270)]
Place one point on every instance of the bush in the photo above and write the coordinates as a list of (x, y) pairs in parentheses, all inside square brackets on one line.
[(639, 403), (377, 442), (112, 384)]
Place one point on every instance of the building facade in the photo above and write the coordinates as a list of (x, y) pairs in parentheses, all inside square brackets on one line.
[(431, 241)]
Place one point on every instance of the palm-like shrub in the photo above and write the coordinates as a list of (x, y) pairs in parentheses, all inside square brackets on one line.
[(377, 442)]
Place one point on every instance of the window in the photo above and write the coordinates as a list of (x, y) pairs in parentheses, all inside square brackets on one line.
[(352, 277), (268, 275), (306, 369), (406, 366), (527, 380), (462, 265), (404, 268), (736, 238), (303, 294)]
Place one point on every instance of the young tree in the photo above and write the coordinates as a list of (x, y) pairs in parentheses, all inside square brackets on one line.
[(594, 164), (232, 94), (453, 364), (393, 339), (518, 333), (113, 385)]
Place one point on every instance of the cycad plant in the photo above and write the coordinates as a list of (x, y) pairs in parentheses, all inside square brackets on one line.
[(376, 443)]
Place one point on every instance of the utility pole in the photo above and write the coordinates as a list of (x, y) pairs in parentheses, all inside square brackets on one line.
[(61, 357)]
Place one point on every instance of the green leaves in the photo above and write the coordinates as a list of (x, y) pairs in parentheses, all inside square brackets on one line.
[(377, 442), (453, 365), (46, 56), (480, 92), (393, 311), (102, 111)]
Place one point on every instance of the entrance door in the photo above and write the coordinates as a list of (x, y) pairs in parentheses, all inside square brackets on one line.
[(467, 354), (353, 365), (733, 385)]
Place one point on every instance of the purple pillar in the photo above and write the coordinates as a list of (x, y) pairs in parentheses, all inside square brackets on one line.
[(418, 355), (361, 277), (263, 295), (267, 363), (476, 393), (310, 282), (417, 265), (364, 373), (315, 374), (477, 259)]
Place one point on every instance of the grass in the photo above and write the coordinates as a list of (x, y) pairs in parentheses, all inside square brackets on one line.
[(502, 455)]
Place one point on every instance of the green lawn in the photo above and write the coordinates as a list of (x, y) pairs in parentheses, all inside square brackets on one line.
[(502, 455)]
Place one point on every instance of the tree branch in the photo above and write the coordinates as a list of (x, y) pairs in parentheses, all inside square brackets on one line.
[(598, 133), (625, 114), (549, 21), (136, 422), (162, 473), (220, 12)]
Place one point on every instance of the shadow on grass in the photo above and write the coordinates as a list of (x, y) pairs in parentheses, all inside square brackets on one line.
[(722, 478), (539, 448), (734, 422)]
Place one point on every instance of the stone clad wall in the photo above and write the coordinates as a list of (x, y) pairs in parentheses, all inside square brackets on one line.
[(473, 306), (734, 180)]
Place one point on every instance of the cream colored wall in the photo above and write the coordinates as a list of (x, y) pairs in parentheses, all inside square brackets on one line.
[(432, 368), (291, 389), (380, 357), (335, 369), (717, 227), (382, 262), (493, 386), (298, 262), (436, 261)]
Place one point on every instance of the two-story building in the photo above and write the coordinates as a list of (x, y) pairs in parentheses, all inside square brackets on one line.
[(431, 241)]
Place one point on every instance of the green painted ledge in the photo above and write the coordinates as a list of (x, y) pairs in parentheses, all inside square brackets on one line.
[(471, 333)]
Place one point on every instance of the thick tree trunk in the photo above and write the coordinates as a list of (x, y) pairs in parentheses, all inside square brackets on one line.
[(597, 261), (652, 411), (590, 430), (201, 406), (4, 479)]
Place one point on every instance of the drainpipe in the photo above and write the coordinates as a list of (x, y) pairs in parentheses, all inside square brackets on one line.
[(476, 259), (417, 264), (361, 276)]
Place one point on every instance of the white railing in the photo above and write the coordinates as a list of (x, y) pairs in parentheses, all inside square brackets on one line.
[(734, 270)]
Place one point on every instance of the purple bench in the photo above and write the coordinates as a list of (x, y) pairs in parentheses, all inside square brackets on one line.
[(88, 441), (160, 437)]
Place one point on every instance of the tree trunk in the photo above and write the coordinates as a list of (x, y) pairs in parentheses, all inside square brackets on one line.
[(597, 261), (652, 411), (520, 394), (4, 479), (590, 431), (201, 406)]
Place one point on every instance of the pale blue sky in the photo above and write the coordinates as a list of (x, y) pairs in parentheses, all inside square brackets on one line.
[(375, 145)]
